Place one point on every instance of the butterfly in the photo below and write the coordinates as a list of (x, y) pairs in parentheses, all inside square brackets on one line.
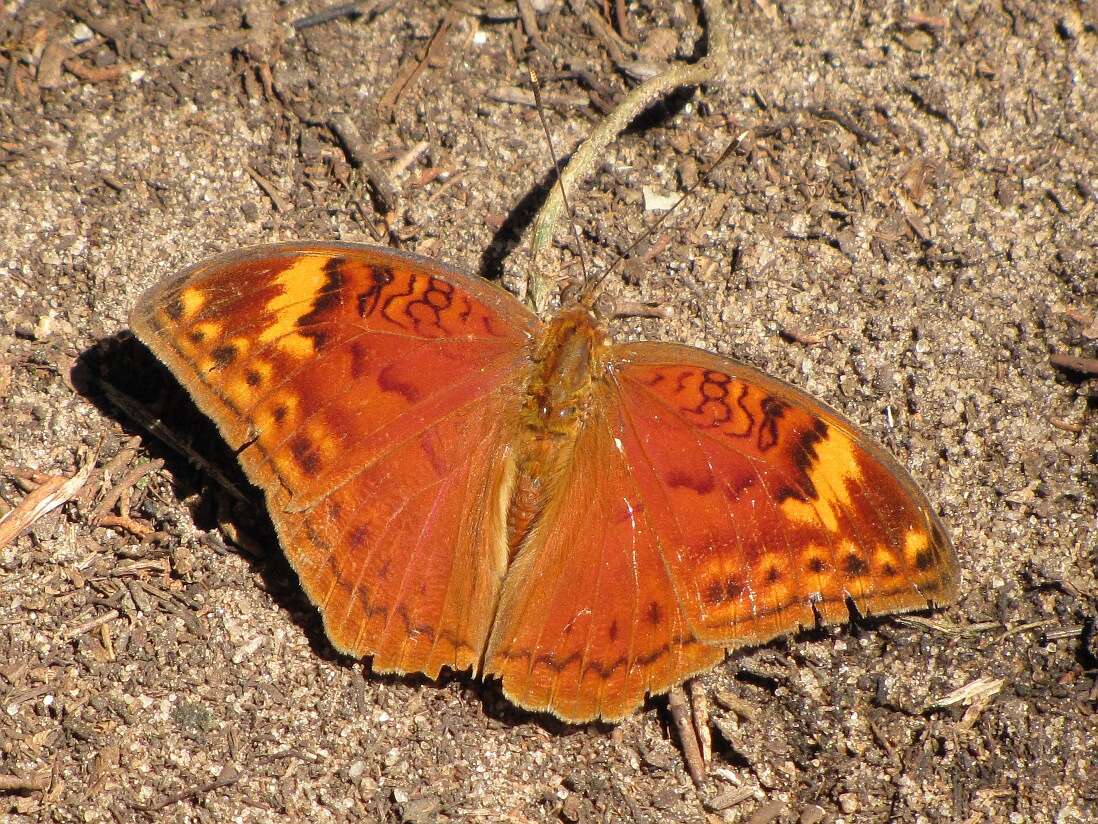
[(461, 485)]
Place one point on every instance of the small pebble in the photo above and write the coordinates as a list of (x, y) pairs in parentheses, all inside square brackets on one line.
[(848, 803), (419, 809)]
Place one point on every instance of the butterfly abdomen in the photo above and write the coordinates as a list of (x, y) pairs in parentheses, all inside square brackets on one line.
[(568, 363)]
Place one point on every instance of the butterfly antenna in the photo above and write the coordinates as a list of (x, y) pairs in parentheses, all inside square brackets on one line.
[(588, 295), (536, 83)]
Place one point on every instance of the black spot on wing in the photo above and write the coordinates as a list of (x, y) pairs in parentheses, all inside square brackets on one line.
[(224, 355), (359, 359), (924, 560), (855, 565), (702, 483), (389, 381), (305, 455)]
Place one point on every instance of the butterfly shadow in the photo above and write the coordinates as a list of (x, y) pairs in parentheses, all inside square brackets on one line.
[(488, 695), (129, 385)]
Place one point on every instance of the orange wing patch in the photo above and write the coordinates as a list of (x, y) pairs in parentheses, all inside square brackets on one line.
[(833, 471), (300, 285)]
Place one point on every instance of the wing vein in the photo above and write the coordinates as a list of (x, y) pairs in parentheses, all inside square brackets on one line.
[(658, 545)]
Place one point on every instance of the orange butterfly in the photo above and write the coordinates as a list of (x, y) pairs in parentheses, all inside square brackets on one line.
[(459, 485)]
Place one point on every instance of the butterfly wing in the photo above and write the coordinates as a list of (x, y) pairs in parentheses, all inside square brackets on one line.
[(372, 395), (589, 619), (772, 509), (706, 505)]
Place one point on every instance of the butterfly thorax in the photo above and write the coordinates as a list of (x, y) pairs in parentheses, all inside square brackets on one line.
[(568, 365)]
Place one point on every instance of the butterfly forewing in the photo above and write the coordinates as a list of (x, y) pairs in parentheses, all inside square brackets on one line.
[(772, 510), (354, 381)]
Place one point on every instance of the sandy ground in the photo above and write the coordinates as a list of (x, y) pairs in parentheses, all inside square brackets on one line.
[(909, 233)]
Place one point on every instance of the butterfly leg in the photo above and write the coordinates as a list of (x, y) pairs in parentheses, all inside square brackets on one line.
[(693, 736)]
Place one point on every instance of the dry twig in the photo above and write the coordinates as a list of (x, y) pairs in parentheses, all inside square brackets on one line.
[(593, 149), (228, 776), (127, 482), (381, 183), (408, 73), (982, 689), (1072, 363), (354, 10), (682, 717)]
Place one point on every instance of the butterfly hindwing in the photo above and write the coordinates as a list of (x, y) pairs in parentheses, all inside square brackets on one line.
[(589, 621)]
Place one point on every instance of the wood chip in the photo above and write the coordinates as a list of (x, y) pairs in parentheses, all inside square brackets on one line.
[(39, 503), (970, 692), (767, 812), (49, 65), (39, 782)]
